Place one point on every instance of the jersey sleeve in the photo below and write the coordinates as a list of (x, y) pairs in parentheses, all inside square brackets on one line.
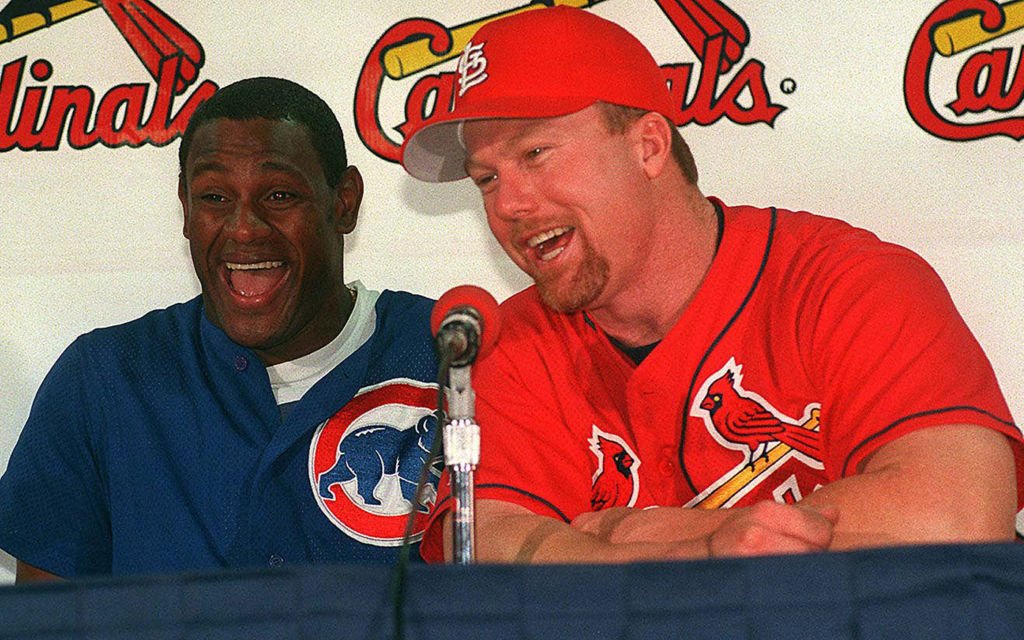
[(53, 509), (896, 356)]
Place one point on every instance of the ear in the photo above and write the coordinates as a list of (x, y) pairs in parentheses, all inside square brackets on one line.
[(183, 199), (654, 135), (348, 195)]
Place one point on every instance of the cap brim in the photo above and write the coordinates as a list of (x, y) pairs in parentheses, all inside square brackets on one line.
[(436, 153)]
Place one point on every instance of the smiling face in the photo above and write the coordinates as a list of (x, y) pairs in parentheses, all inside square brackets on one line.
[(561, 198), (266, 232)]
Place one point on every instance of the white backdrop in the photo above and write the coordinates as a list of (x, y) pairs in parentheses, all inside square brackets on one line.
[(92, 236)]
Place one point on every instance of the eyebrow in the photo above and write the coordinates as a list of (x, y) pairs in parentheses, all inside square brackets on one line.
[(513, 141), (215, 166)]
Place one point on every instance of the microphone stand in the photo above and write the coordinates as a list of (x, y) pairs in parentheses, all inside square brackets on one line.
[(461, 456)]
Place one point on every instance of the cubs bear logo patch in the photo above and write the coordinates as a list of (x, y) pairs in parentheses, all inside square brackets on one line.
[(365, 461)]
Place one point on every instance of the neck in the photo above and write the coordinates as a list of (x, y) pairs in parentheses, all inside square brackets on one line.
[(658, 293), (320, 330)]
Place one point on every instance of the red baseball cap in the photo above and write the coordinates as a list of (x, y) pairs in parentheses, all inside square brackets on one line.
[(540, 63)]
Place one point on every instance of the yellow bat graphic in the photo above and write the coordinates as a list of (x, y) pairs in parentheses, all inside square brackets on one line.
[(964, 33), (31, 21)]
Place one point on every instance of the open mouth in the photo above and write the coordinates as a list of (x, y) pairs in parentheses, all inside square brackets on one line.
[(547, 245), (254, 280)]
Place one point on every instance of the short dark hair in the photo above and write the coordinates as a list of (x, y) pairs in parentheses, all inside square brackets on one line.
[(618, 118), (274, 99)]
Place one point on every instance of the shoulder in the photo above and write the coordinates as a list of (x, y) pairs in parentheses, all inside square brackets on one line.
[(161, 329), (401, 323), (815, 248), (787, 228), (403, 309)]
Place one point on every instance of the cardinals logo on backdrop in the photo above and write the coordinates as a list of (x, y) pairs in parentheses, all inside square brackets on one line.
[(713, 31), (169, 53), (616, 482), (365, 462), (957, 84), (741, 420)]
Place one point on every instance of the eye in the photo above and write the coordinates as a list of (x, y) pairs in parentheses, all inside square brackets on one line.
[(281, 196), (212, 198), (535, 152), (483, 180)]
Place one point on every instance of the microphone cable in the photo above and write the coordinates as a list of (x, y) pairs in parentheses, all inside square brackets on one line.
[(398, 576)]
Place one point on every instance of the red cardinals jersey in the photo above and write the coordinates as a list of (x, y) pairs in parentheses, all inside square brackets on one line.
[(809, 344)]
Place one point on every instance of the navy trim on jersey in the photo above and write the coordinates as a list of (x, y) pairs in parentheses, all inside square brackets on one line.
[(893, 425), (714, 343), (440, 508)]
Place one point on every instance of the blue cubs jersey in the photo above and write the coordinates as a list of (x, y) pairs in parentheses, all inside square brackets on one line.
[(157, 446)]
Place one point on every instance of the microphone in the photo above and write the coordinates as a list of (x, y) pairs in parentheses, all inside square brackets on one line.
[(465, 323)]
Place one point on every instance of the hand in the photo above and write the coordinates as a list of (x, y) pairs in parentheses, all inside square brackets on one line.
[(601, 523), (773, 528)]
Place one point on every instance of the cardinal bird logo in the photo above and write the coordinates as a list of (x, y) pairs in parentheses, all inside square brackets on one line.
[(743, 420), (615, 483)]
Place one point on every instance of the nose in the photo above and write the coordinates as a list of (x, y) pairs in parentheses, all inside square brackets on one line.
[(246, 222), (514, 196)]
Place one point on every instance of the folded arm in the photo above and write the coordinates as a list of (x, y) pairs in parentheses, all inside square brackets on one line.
[(952, 483)]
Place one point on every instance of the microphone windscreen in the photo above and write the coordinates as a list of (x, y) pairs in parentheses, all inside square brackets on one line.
[(468, 295)]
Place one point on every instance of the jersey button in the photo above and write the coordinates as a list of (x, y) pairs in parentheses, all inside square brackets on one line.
[(241, 363), (275, 560), (667, 464)]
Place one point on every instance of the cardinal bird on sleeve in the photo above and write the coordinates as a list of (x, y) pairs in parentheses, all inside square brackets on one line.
[(748, 422), (615, 481)]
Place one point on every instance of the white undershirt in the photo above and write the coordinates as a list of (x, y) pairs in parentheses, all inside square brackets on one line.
[(291, 380)]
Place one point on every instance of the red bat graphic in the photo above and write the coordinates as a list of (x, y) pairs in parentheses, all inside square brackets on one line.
[(744, 421), (701, 20)]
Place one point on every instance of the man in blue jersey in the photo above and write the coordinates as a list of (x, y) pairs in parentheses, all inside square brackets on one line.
[(283, 416)]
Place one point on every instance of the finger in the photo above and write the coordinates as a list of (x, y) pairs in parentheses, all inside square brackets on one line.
[(802, 523), (600, 523), (749, 538), (587, 522), (759, 541)]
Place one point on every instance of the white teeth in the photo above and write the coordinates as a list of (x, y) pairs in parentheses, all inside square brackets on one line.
[(545, 236), (551, 255), (237, 266)]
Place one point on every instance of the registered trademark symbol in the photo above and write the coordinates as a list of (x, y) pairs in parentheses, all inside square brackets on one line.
[(788, 86)]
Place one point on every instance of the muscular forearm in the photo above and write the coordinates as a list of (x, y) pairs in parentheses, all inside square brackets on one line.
[(524, 538), (943, 484), (624, 525), (508, 533)]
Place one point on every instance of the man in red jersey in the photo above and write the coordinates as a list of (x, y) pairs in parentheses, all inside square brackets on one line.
[(772, 381)]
